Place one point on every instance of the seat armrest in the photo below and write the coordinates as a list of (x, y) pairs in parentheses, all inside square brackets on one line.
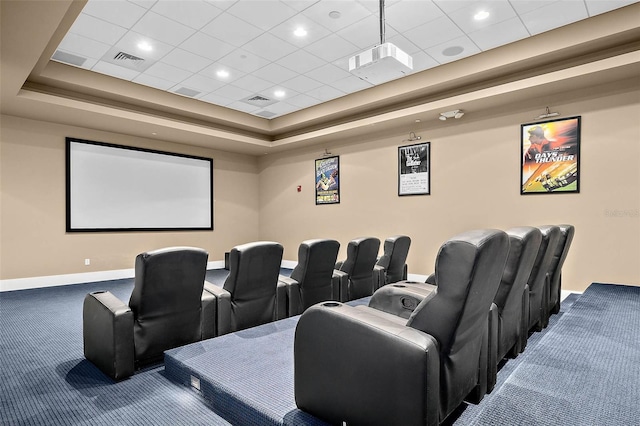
[(339, 264), (405, 272), (208, 314), (339, 378), (294, 300), (107, 332), (492, 354), (281, 301), (524, 330), (223, 308), (379, 277), (342, 278), (401, 298), (431, 279)]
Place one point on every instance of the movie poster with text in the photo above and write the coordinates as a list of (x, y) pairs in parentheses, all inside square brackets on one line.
[(550, 156), (328, 180), (413, 169)]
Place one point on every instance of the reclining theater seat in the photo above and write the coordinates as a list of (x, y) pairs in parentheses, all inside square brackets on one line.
[(365, 366), (311, 281), (392, 266), (356, 274), (555, 275), (538, 283), (251, 294), (168, 308), (507, 336)]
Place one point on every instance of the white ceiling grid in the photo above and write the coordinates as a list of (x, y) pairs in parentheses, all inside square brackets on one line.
[(254, 42)]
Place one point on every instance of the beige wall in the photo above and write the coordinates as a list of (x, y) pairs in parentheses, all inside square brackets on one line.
[(475, 184), (33, 241)]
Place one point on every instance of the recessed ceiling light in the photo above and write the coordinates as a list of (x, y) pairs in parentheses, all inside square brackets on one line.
[(146, 46), (334, 14), (222, 73), (279, 93), (483, 14), (300, 32)]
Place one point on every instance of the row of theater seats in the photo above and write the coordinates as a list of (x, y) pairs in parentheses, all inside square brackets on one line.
[(418, 350), (172, 305)]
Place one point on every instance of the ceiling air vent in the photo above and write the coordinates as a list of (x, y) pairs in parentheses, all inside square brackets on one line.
[(187, 92), (116, 56), (266, 114), (68, 58), (259, 100)]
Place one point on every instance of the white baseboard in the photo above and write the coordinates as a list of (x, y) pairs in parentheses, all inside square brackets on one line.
[(84, 277)]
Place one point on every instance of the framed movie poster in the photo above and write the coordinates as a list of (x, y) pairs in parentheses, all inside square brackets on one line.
[(414, 169), (550, 156), (328, 180)]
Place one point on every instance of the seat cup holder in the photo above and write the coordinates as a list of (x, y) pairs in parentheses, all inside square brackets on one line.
[(331, 304)]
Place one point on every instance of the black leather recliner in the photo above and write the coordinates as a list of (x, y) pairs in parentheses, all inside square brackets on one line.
[(538, 282), (356, 274), (168, 308), (365, 366), (311, 281), (391, 267), (555, 285), (251, 294)]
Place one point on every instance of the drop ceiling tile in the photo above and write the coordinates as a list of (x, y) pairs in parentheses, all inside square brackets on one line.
[(192, 13), (252, 83), (301, 84), (350, 12), (222, 4), (274, 73), (155, 82), (303, 101), (243, 60), (232, 92), (147, 4), (168, 72), (405, 15), (499, 34), (285, 31), (271, 92), (365, 33), (262, 14), (596, 7), (269, 47), (301, 61), (114, 70), (212, 72), (332, 48), (97, 29), (351, 84), (217, 99), (83, 46), (325, 93), (186, 60), (554, 15), (453, 50), (202, 84), (448, 6), (207, 46), (243, 106), (124, 14), (328, 73), (164, 29), (422, 61), (281, 108), (498, 11), (434, 33), (524, 6), (130, 42), (232, 30)]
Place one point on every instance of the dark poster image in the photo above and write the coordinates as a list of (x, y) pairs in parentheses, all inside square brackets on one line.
[(413, 169)]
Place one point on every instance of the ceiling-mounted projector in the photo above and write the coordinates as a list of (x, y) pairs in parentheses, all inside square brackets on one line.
[(382, 63)]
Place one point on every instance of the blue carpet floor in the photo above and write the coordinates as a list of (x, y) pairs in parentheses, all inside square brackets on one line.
[(584, 369)]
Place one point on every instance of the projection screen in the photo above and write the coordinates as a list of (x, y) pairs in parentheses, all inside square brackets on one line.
[(118, 188)]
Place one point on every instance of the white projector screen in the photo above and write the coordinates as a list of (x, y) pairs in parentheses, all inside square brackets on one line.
[(119, 188)]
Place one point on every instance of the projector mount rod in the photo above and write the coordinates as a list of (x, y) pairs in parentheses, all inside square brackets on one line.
[(382, 38)]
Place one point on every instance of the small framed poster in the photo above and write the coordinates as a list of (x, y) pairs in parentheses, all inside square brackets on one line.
[(550, 154), (414, 169), (328, 180)]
